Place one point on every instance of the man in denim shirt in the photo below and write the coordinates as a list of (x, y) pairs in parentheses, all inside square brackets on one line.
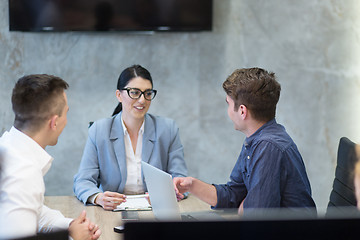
[(269, 172)]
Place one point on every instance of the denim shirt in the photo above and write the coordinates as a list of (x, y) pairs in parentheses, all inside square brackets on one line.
[(269, 173)]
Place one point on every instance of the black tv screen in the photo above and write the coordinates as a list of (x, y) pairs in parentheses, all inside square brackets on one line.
[(110, 15)]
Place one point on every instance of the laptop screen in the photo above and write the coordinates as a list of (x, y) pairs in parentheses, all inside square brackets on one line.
[(161, 192)]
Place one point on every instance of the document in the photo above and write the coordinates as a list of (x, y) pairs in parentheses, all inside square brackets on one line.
[(135, 203)]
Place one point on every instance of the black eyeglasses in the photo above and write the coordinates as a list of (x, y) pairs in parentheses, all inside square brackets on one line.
[(135, 93)]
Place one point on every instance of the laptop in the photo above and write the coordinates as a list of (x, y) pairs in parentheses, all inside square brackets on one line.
[(163, 197)]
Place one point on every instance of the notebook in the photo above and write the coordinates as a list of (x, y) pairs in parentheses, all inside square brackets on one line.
[(163, 197), (134, 203)]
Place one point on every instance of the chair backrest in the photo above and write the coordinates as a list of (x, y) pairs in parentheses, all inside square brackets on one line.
[(56, 235), (295, 229), (343, 192)]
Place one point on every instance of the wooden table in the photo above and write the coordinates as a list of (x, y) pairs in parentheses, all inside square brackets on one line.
[(71, 207)]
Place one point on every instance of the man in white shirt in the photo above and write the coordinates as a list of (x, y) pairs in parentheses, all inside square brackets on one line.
[(40, 106)]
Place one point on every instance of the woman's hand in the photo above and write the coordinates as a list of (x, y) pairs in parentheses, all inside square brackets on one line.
[(110, 200)]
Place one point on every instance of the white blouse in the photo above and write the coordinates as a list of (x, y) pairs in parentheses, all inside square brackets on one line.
[(134, 184)]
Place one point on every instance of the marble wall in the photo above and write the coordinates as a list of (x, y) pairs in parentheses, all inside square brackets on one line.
[(312, 46)]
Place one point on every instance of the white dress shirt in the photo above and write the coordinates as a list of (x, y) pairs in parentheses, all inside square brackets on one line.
[(134, 184), (22, 188)]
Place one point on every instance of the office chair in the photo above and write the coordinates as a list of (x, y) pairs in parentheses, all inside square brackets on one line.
[(56, 235), (343, 192), (269, 229)]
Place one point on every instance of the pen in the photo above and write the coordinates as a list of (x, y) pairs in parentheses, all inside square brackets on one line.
[(136, 196)]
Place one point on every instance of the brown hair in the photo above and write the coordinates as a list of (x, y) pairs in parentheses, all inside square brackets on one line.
[(255, 88), (35, 98)]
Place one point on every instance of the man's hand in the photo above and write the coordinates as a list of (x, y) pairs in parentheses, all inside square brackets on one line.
[(82, 229), (241, 208), (199, 189), (182, 185), (110, 200)]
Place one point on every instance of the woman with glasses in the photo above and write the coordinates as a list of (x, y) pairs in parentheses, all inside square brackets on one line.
[(110, 167)]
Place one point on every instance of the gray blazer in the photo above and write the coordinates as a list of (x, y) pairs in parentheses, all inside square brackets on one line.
[(103, 164)]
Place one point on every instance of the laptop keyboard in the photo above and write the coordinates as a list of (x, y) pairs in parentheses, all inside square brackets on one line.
[(129, 215), (187, 217)]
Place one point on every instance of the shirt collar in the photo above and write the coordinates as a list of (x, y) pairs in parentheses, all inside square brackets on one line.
[(33, 150), (141, 131), (248, 141)]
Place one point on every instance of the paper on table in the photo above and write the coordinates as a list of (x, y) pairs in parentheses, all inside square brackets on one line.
[(134, 202)]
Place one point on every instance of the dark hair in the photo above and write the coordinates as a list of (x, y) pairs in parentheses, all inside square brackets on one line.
[(255, 88), (35, 98), (125, 77)]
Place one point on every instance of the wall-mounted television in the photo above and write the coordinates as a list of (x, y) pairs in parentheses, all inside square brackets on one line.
[(110, 15)]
